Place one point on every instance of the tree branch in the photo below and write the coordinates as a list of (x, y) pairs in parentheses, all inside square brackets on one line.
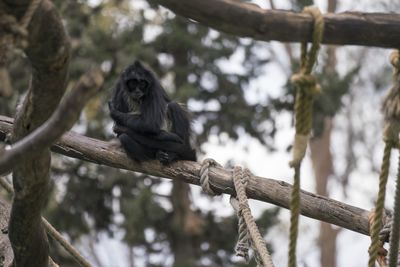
[(48, 52), (61, 121), (263, 189), (249, 20)]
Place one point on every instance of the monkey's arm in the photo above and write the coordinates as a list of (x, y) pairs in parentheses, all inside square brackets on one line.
[(162, 136), (133, 122)]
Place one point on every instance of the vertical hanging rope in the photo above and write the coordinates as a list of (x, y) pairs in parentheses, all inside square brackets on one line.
[(26, 19), (240, 179), (307, 88), (377, 222), (249, 235), (395, 230), (392, 106), (391, 109)]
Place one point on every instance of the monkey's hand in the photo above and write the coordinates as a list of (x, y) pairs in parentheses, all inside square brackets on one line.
[(118, 116), (118, 129)]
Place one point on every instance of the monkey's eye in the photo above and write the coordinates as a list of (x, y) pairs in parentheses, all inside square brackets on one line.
[(142, 84), (132, 84)]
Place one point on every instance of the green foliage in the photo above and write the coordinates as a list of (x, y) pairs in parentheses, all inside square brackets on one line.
[(141, 213)]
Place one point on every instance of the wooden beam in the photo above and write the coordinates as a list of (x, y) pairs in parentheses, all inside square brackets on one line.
[(249, 20), (263, 189)]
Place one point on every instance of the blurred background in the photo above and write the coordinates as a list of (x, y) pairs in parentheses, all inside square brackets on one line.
[(238, 92)]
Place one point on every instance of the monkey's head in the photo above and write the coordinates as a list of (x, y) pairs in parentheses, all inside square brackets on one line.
[(137, 81)]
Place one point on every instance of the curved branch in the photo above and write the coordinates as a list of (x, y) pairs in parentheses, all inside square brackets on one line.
[(248, 20), (263, 189), (61, 121), (48, 53)]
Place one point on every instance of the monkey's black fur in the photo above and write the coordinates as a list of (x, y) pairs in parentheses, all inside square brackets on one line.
[(148, 124)]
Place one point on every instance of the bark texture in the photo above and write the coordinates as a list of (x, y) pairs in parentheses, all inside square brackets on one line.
[(249, 20)]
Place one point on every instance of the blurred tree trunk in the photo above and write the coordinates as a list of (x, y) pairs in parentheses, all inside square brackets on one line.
[(183, 217), (181, 241), (321, 158)]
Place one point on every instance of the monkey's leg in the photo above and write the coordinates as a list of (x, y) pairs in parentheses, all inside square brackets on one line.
[(135, 150)]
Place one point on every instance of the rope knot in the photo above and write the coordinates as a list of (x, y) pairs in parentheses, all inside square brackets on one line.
[(395, 59), (249, 234), (391, 133), (14, 33), (204, 177), (11, 35), (306, 82)]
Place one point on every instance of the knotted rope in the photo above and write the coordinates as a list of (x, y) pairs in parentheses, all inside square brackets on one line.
[(240, 179), (391, 110), (395, 225), (392, 105), (204, 178), (243, 244), (384, 234), (249, 234), (307, 88), (14, 34)]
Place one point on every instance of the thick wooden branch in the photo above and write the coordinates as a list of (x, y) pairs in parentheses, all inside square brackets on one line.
[(48, 53), (248, 20), (263, 189), (61, 121)]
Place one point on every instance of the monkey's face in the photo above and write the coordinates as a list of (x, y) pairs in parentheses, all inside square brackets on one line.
[(137, 88)]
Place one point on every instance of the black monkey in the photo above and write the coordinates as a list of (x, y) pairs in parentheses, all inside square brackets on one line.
[(148, 124)]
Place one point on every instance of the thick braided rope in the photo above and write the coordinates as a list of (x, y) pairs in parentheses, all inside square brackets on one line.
[(204, 178), (383, 236), (53, 232), (395, 229), (307, 88), (243, 243), (26, 19), (391, 110), (294, 217), (384, 233), (14, 34), (377, 222), (395, 114), (257, 240)]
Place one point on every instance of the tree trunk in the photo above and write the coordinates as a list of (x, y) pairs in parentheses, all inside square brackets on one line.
[(181, 242), (321, 158)]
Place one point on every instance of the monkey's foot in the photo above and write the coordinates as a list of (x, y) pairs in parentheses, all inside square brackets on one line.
[(163, 157)]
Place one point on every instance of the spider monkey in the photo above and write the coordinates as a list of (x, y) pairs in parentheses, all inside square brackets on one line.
[(148, 124)]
